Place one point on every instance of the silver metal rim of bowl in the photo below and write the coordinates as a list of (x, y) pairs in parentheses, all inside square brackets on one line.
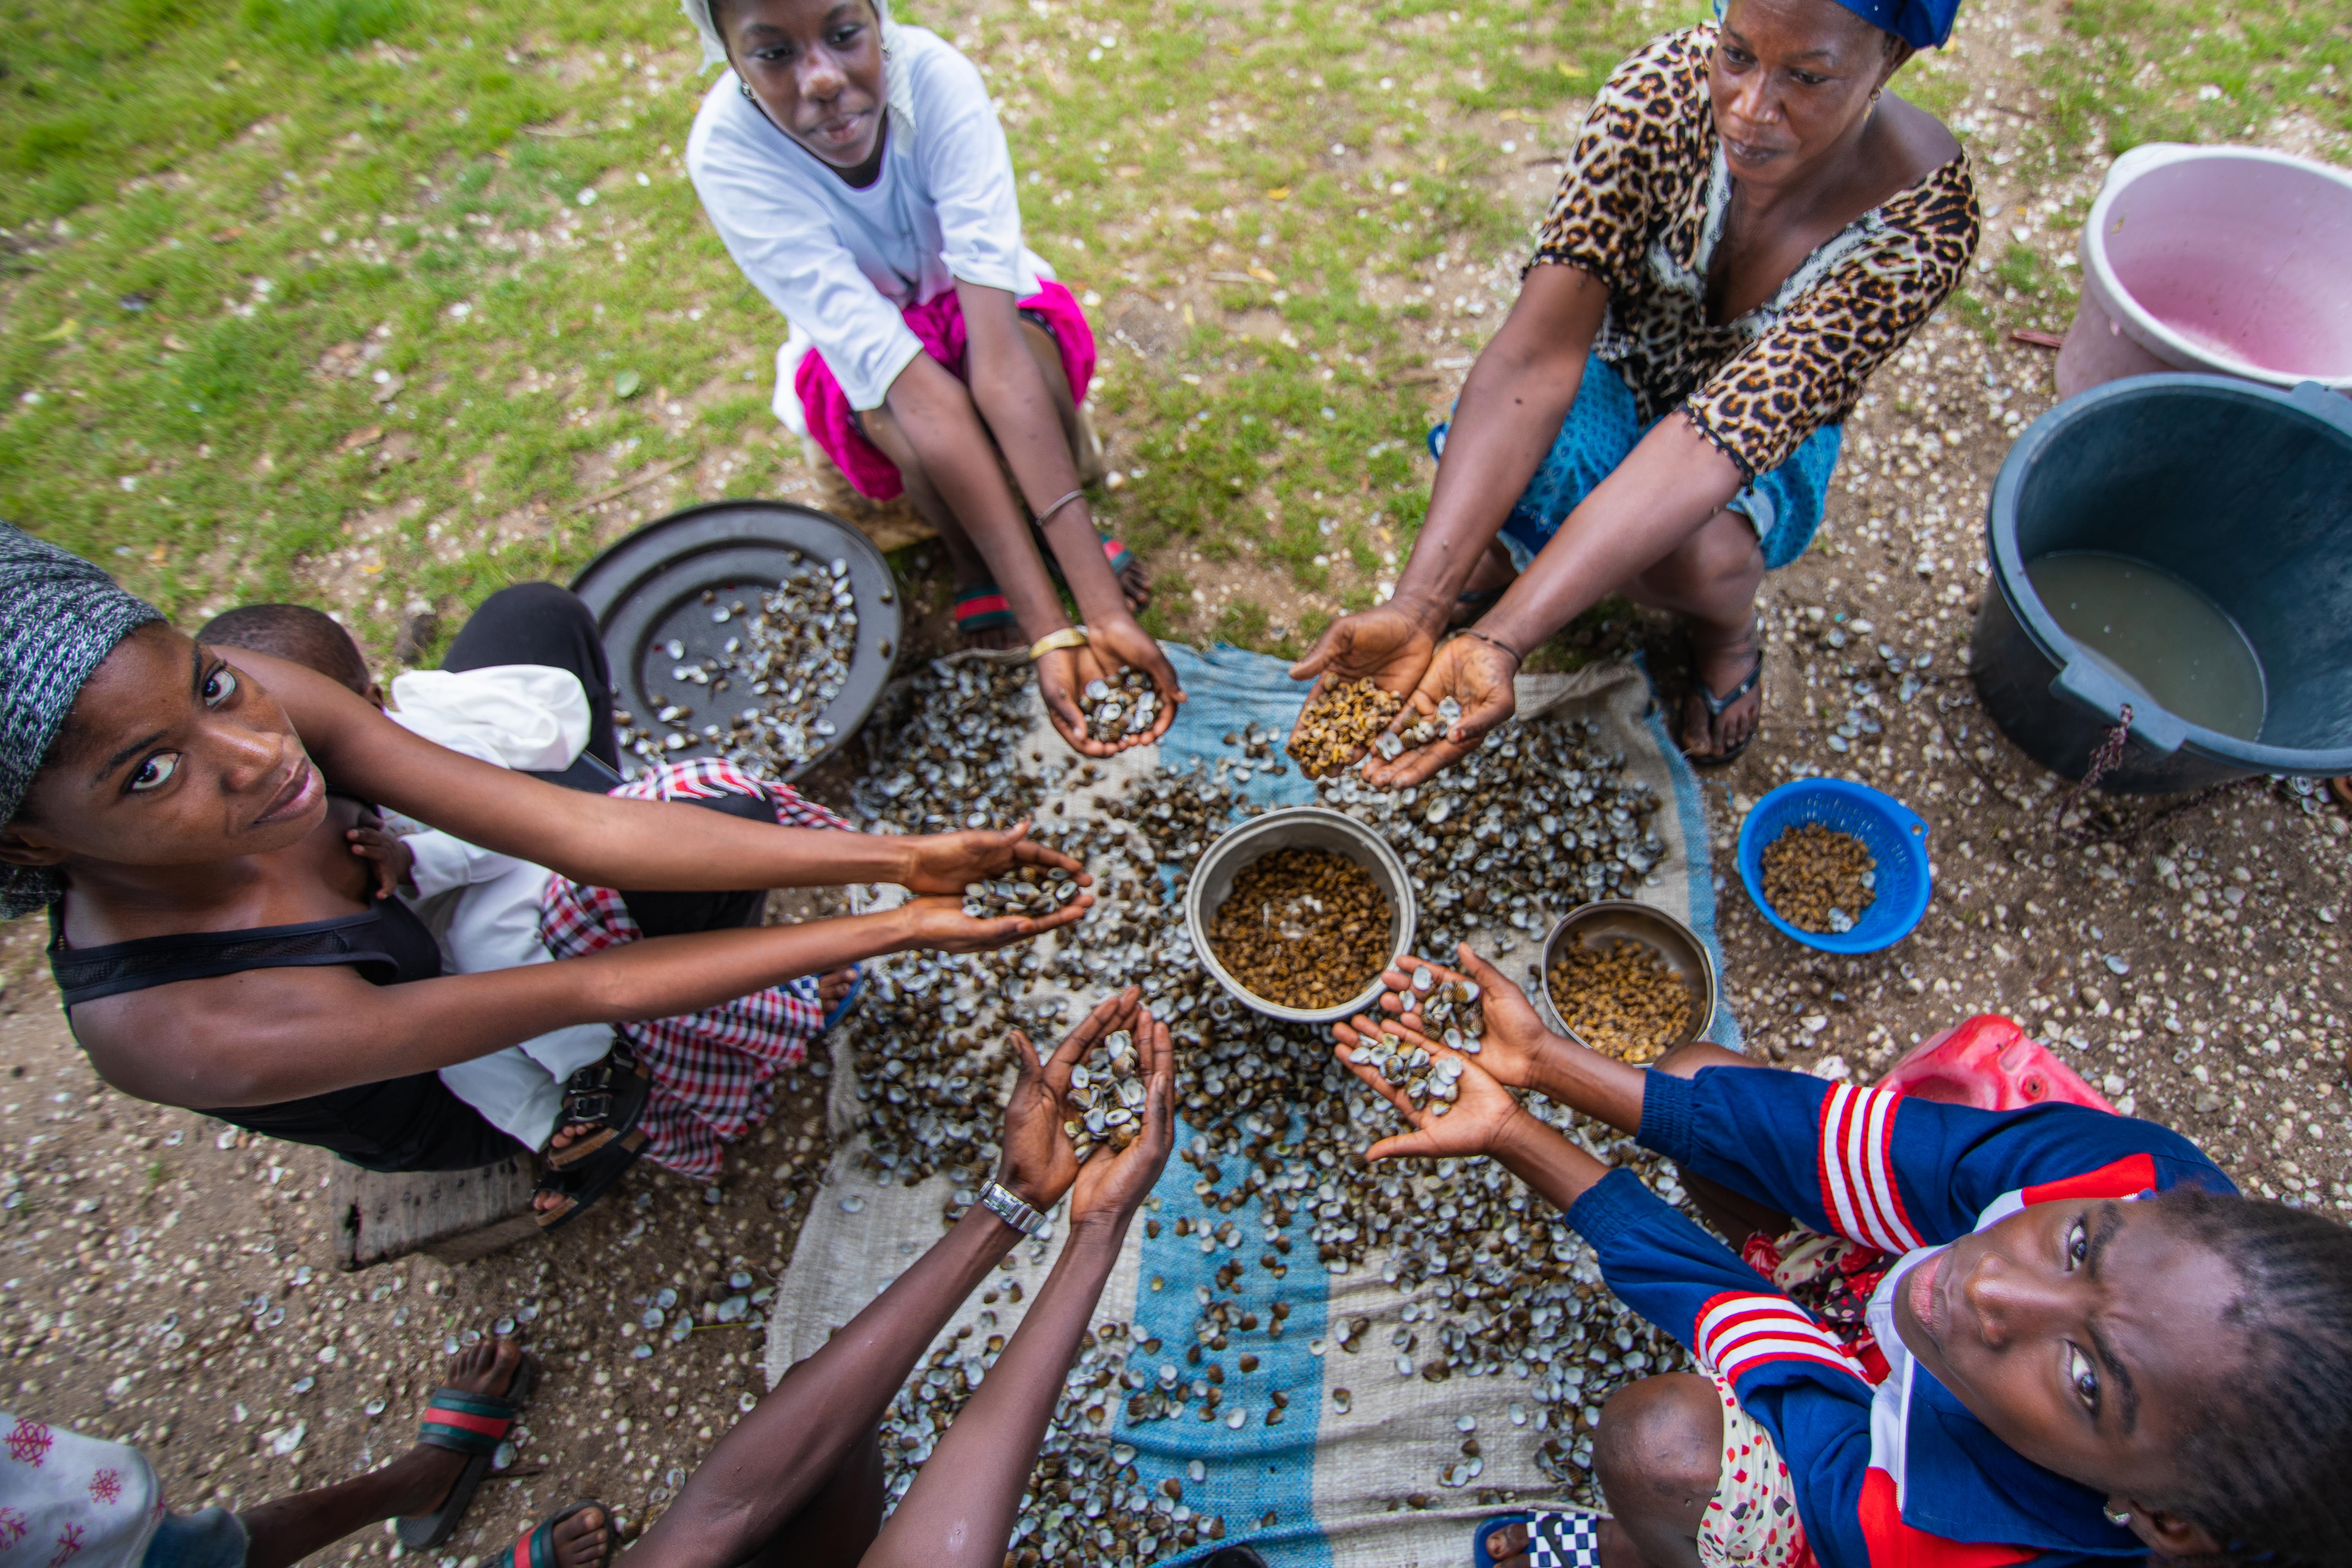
[(1377, 855), (1584, 914)]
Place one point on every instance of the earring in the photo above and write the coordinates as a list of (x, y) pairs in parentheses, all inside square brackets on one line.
[(745, 89), (1873, 93), (2120, 1521)]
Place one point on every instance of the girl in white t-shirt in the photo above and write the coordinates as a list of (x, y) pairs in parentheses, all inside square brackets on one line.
[(856, 172)]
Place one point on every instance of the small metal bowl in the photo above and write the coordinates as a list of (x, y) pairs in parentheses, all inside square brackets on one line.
[(1297, 828), (1612, 921)]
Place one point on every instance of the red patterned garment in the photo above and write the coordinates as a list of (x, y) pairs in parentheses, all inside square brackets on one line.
[(713, 1070)]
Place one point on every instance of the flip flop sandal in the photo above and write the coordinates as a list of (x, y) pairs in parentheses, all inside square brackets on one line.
[(473, 1424), (981, 608), (536, 1548), (849, 999), (1715, 706), (1119, 556), (607, 1096), (582, 1185), (1556, 1539)]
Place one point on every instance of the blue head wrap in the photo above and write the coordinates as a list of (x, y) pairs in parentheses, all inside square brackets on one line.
[(1922, 24), (59, 617)]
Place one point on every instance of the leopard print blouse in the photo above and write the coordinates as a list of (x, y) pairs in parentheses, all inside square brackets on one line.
[(1642, 208)]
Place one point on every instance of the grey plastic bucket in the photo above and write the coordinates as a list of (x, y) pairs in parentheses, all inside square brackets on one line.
[(2242, 491)]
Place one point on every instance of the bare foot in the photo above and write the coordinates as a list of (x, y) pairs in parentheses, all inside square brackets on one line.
[(1721, 667), (1509, 1546), (429, 1472), (996, 638), (582, 1541), (831, 988), (1136, 584)]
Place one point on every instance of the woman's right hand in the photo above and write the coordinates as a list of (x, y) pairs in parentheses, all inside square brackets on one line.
[(1483, 1118), (1111, 1186), (1039, 1162), (1119, 643), (1515, 1038), (937, 923), (1387, 645)]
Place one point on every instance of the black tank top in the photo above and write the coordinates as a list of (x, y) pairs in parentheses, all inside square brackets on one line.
[(385, 943), (411, 1123)]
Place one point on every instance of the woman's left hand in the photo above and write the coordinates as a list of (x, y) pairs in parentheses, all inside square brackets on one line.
[(950, 862), (1039, 1162), (1482, 1117), (1475, 673)]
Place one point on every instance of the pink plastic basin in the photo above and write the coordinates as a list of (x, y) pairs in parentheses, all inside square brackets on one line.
[(2230, 260)]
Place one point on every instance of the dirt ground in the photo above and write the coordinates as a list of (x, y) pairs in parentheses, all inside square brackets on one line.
[(169, 1281)]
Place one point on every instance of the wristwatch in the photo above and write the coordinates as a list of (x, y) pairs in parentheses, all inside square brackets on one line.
[(1007, 1205)]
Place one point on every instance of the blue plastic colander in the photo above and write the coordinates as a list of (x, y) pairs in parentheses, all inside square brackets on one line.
[(1895, 836)]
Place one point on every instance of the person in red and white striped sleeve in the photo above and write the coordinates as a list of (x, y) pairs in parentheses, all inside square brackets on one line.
[(2087, 1346)]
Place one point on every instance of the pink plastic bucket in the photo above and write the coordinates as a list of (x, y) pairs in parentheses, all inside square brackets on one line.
[(2229, 260), (1988, 1062)]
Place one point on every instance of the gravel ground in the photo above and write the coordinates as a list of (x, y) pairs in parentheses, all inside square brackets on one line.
[(168, 1281)]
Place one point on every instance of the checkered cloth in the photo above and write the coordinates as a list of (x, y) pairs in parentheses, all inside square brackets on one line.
[(1563, 1540), (711, 1070)]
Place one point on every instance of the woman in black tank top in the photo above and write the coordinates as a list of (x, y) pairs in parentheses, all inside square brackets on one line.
[(219, 954)]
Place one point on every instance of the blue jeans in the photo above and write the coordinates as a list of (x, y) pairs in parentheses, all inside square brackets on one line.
[(209, 1538), (1602, 428)]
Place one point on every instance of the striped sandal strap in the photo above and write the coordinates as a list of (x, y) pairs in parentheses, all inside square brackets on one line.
[(1564, 1539), (467, 1422), (536, 1549)]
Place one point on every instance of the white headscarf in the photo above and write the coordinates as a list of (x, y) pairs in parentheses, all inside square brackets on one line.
[(894, 83)]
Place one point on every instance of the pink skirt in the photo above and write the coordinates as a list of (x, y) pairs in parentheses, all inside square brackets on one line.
[(939, 322)]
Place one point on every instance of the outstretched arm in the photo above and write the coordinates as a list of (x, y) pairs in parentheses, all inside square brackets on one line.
[(959, 1513), (270, 1035), (1508, 416), (761, 1472), (599, 839)]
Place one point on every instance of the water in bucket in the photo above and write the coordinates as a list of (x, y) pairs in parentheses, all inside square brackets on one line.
[(2155, 634)]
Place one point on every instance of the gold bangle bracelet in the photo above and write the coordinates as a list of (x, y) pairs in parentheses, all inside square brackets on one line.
[(1068, 637)]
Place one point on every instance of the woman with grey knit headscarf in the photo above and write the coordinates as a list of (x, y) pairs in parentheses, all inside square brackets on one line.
[(219, 947), (856, 172)]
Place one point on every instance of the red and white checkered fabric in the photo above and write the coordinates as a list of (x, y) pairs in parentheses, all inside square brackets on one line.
[(711, 1070)]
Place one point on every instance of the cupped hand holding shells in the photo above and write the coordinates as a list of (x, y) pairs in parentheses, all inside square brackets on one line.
[(1383, 645), (1040, 1158), (1065, 676), (1515, 1038), (1467, 688), (937, 923), (1114, 1181), (1475, 1118), (950, 862)]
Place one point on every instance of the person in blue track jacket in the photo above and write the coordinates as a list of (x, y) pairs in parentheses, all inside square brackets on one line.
[(2082, 1346)]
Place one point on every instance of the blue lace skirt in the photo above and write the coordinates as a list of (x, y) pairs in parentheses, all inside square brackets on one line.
[(1602, 428)]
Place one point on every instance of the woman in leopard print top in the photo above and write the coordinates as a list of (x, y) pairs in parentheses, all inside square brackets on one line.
[(1749, 225)]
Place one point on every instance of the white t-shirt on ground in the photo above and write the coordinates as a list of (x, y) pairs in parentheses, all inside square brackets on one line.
[(842, 263)]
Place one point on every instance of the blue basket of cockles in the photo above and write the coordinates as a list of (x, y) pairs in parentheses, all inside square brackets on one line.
[(1895, 882)]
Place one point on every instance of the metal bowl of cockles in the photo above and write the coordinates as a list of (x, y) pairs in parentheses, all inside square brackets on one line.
[(1296, 913), (757, 631), (1627, 980)]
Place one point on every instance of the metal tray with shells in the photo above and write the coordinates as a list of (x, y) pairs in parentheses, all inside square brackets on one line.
[(756, 630)]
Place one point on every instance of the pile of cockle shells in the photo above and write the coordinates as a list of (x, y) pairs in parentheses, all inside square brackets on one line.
[(1124, 705), (1535, 821), (1340, 721), (1432, 1083), (1424, 729), (785, 661), (1451, 1010), (1036, 896), (1109, 1095)]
